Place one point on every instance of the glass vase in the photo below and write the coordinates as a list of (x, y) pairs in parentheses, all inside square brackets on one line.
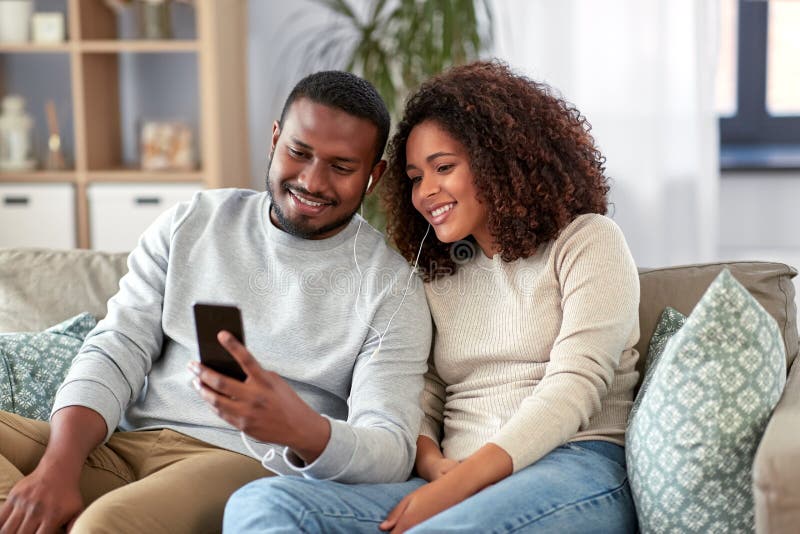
[(154, 19)]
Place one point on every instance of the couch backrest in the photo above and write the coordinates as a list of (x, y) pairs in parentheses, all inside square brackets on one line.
[(681, 288), (40, 287)]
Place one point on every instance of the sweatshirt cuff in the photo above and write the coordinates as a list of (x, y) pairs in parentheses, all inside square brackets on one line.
[(335, 458), (92, 395)]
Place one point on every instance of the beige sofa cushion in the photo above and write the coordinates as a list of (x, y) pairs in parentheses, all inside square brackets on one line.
[(39, 288), (681, 288)]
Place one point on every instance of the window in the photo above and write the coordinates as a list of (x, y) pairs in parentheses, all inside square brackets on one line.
[(783, 58), (725, 82), (758, 93)]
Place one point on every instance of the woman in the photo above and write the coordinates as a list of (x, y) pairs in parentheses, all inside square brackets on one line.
[(534, 295)]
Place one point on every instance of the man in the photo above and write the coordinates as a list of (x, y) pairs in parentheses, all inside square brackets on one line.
[(316, 386)]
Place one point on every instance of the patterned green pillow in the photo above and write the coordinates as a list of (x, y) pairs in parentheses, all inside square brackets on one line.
[(33, 365), (690, 445), (669, 323)]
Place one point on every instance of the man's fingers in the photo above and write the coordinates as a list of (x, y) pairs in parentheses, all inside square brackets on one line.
[(224, 407), (240, 353), (230, 387), (12, 522), (5, 512), (30, 524), (47, 525), (232, 411)]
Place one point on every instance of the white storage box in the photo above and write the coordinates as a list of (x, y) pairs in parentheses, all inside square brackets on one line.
[(119, 213), (37, 215)]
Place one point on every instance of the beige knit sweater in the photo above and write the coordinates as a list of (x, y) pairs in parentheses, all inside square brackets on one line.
[(531, 354)]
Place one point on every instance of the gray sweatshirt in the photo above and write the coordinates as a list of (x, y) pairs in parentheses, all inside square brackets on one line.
[(300, 300)]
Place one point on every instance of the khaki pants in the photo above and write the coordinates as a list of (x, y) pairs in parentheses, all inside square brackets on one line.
[(149, 481)]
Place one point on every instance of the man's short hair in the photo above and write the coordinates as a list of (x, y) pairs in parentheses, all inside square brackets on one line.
[(349, 93)]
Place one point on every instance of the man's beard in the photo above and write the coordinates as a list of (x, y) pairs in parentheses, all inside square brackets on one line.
[(300, 230)]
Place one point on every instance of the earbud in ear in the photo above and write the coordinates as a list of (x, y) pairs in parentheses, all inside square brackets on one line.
[(369, 182)]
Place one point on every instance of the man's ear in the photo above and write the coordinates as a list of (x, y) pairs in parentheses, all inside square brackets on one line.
[(376, 173), (276, 133)]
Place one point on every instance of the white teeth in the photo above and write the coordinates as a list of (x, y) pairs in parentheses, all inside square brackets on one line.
[(307, 202), (443, 209)]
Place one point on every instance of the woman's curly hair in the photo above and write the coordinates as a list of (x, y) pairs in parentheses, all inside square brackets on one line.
[(532, 159)]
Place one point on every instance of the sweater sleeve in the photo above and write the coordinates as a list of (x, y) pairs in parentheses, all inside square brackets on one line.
[(433, 399), (109, 371), (599, 287)]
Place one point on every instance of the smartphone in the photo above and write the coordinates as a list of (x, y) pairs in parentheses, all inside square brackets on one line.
[(209, 319)]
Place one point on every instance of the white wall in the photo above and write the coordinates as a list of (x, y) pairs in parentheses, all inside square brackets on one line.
[(277, 33), (759, 218)]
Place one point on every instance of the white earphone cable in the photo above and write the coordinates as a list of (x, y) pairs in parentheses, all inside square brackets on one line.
[(270, 454), (360, 281)]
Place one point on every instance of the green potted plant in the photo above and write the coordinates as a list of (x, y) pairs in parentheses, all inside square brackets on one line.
[(397, 45)]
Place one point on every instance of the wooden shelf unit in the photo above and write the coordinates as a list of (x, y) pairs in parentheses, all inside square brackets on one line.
[(93, 50), (135, 175), (33, 48), (37, 176), (139, 46)]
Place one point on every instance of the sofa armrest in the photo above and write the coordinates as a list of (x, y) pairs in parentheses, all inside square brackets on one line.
[(776, 468)]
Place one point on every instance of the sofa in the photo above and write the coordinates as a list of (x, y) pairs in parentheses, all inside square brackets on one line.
[(39, 288)]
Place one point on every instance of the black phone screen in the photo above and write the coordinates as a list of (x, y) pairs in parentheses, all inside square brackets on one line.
[(209, 320)]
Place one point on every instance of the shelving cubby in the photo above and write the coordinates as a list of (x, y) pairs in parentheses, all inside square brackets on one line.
[(104, 86)]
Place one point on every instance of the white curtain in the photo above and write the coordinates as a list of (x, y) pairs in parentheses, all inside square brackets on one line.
[(642, 72)]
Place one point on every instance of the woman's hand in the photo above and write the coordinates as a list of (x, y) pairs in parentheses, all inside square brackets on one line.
[(461, 480), (425, 502), (430, 463), (436, 469)]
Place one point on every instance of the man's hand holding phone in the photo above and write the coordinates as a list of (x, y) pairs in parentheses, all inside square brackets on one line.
[(209, 320), (263, 405)]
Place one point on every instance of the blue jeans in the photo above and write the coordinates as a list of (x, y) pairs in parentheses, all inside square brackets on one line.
[(578, 487)]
